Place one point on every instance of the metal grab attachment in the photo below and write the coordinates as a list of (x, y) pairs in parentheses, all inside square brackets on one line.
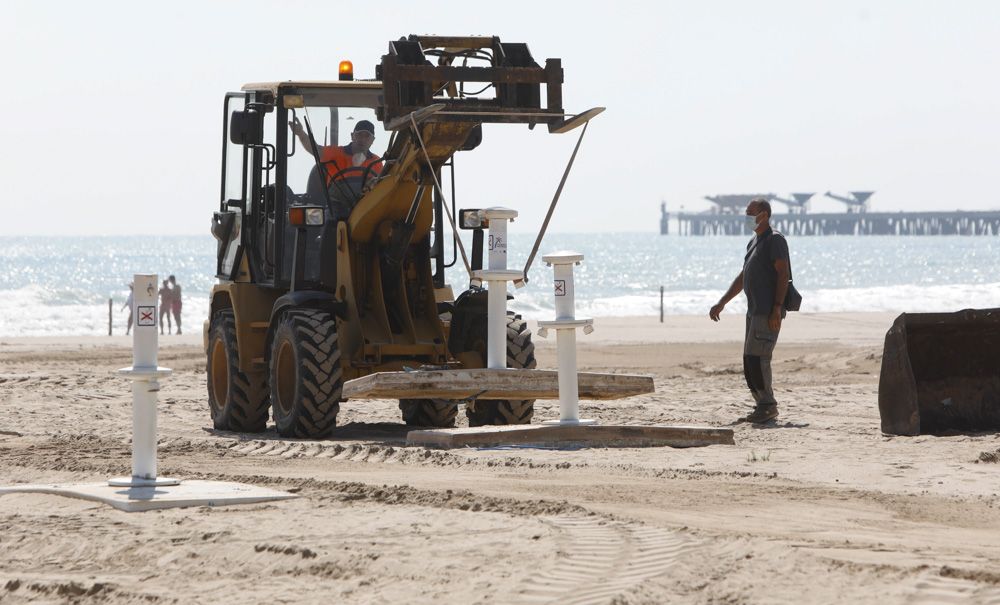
[(417, 72), (565, 325), (420, 84), (145, 375)]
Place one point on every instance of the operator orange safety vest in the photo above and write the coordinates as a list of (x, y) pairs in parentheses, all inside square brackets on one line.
[(338, 162)]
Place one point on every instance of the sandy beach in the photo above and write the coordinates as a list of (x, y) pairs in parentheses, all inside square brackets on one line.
[(819, 508)]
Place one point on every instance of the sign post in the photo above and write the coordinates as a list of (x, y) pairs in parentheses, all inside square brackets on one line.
[(145, 375), (565, 325), (496, 278)]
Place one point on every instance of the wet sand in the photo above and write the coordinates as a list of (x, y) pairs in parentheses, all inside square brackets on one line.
[(821, 507)]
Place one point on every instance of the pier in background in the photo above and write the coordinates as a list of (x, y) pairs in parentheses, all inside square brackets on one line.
[(727, 218), (869, 223)]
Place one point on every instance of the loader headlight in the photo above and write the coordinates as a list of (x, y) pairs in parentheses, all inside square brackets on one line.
[(314, 216), (471, 219), (299, 216)]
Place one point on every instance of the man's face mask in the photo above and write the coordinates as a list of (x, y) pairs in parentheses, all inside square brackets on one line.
[(752, 221)]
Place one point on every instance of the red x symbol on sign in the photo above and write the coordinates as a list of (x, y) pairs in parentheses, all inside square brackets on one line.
[(146, 316)]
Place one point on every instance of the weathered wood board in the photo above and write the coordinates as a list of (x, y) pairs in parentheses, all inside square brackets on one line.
[(491, 384), (593, 435)]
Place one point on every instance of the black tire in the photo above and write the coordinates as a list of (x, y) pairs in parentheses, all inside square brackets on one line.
[(305, 374), (520, 354), (238, 401), (429, 412)]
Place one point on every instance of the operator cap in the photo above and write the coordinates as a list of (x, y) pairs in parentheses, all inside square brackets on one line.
[(366, 126)]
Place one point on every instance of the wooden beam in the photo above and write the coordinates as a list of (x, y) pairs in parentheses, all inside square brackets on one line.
[(491, 384), (594, 435)]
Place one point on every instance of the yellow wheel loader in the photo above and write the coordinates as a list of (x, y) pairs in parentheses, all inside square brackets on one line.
[(332, 254)]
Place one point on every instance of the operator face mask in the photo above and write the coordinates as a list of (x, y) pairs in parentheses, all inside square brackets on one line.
[(751, 220)]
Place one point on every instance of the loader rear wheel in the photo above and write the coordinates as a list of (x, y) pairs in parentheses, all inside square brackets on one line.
[(429, 412), (238, 401), (305, 374), (520, 354)]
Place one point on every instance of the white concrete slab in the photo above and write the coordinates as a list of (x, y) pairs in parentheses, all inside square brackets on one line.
[(187, 493)]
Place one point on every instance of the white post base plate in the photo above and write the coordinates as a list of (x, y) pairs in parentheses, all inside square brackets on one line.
[(577, 422), (132, 499), (140, 482)]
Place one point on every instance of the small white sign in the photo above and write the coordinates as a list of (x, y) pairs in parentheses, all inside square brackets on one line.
[(147, 316), (560, 287)]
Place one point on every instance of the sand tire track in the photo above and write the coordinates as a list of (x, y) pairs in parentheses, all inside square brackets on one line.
[(600, 559), (937, 590)]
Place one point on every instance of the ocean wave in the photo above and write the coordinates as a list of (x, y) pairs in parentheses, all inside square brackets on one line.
[(39, 311), (909, 298), (33, 311)]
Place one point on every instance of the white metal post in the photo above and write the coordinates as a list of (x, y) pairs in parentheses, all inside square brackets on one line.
[(569, 388), (565, 326), (144, 374), (496, 278)]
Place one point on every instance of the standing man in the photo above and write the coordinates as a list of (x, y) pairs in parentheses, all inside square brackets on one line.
[(175, 301), (764, 279), (166, 303), (129, 302)]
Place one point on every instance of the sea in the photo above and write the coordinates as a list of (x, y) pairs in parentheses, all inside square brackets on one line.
[(60, 286)]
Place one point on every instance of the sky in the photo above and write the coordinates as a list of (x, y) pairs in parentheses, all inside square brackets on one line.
[(111, 123)]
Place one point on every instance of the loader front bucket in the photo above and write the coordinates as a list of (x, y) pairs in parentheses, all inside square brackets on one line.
[(941, 372)]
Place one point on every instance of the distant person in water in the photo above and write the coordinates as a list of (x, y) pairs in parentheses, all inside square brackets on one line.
[(128, 303), (166, 300), (176, 301)]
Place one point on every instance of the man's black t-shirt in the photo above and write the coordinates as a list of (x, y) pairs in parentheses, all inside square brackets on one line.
[(759, 275)]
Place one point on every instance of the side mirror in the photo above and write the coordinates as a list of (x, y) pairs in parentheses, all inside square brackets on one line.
[(222, 226), (246, 128)]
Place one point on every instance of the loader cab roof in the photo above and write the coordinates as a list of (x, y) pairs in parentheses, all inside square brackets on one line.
[(331, 93), (300, 86)]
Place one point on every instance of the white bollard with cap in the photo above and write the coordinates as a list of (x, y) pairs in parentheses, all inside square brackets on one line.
[(496, 278), (144, 374), (565, 325)]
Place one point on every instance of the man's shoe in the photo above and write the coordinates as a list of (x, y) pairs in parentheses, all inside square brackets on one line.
[(761, 414)]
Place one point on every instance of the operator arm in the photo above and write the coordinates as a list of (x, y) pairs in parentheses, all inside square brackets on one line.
[(300, 134), (735, 288)]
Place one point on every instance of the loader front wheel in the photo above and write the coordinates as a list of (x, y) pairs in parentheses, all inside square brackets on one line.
[(305, 374), (237, 401), (429, 412), (520, 354)]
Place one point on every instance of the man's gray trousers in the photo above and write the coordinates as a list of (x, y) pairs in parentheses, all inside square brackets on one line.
[(758, 344)]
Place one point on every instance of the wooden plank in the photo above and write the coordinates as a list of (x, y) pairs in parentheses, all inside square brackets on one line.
[(491, 384), (593, 435)]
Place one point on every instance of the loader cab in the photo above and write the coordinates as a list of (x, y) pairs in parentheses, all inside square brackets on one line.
[(266, 169)]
